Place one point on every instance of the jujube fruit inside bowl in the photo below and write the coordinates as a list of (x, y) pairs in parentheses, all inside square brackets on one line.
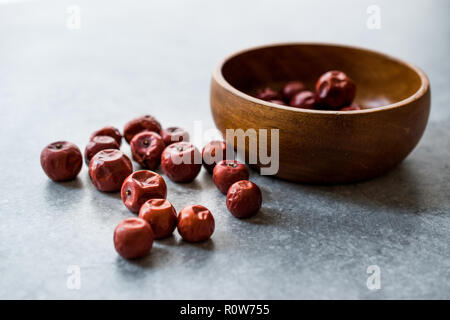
[(324, 145)]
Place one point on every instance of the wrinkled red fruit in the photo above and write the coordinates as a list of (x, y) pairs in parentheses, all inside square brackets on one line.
[(278, 102), (195, 223), (108, 169), (228, 172), (213, 153), (291, 88), (146, 148), (267, 94), (244, 199), (335, 90), (140, 124), (351, 108), (303, 100), (174, 134), (133, 238), (181, 162), (110, 132), (161, 216), (141, 186), (61, 160), (99, 143)]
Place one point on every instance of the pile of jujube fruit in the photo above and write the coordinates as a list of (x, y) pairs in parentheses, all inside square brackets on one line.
[(333, 91), (144, 192)]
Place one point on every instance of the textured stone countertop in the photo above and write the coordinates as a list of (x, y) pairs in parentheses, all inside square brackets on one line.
[(130, 58)]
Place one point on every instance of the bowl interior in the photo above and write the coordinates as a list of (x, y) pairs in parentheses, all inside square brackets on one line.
[(380, 79)]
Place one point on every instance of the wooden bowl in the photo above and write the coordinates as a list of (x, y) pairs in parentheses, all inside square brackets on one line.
[(325, 147)]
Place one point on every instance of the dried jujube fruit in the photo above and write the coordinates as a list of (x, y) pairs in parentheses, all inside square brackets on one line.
[(181, 162), (108, 169), (141, 186), (334, 90), (174, 134), (108, 131), (133, 238), (268, 94), (161, 216), (291, 88), (97, 144), (212, 153), (195, 223), (304, 100), (140, 124), (146, 148), (244, 199), (228, 172), (61, 160)]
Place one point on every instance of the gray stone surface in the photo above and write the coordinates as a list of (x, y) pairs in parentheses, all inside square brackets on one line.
[(134, 57)]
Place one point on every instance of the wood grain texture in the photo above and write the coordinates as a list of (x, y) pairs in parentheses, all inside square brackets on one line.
[(326, 147)]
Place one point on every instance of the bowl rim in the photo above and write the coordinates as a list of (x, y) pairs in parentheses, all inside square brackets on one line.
[(220, 79)]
